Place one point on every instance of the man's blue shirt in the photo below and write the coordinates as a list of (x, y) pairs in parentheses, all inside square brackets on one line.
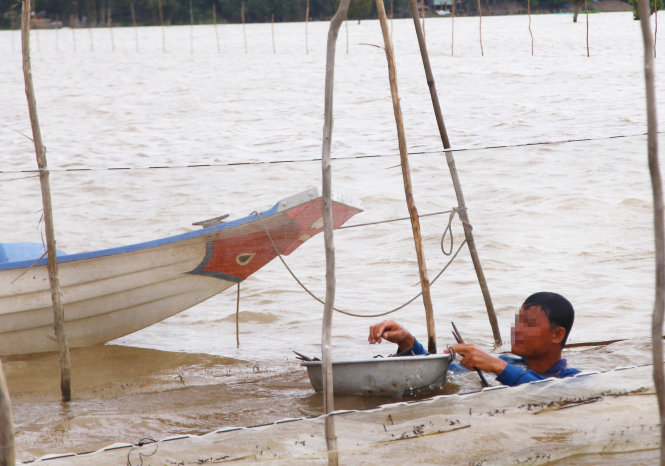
[(515, 372)]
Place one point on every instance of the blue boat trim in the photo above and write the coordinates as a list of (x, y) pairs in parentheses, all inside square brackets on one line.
[(200, 269), (148, 244)]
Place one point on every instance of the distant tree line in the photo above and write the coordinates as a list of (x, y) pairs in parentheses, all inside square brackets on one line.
[(147, 12)]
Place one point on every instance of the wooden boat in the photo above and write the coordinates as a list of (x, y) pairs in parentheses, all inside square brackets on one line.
[(113, 292), (383, 376)]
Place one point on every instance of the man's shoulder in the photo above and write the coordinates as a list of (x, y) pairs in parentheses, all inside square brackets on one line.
[(512, 359)]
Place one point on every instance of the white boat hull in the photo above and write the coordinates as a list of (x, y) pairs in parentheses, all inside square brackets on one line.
[(111, 293)]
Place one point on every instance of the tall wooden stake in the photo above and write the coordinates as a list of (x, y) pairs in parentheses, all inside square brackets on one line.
[(72, 21), (272, 30), (528, 9), (136, 31), (655, 29), (52, 264), (242, 16), (214, 21), (6, 424), (452, 30), (659, 226), (346, 27), (480, 28), (391, 19), (422, 12), (306, 26), (464, 217), (161, 22), (326, 359), (586, 7), (110, 23), (191, 27), (406, 175)]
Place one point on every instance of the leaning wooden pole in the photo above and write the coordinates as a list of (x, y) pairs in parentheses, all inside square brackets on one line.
[(52, 264), (326, 360), (463, 214), (659, 226), (406, 175), (6, 424)]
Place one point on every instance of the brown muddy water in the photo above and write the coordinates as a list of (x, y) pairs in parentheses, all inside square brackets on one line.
[(125, 394), (548, 213)]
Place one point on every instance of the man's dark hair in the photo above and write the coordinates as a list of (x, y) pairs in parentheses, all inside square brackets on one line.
[(557, 309)]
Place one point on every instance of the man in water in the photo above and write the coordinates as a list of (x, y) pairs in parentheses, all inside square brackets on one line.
[(538, 336)]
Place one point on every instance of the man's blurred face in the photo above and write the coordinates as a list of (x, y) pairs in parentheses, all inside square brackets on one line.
[(531, 335)]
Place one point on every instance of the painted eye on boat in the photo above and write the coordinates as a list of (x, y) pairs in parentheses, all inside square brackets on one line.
[(244, 259)]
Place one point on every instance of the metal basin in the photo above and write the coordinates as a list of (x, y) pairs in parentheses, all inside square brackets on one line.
[(394, 376)]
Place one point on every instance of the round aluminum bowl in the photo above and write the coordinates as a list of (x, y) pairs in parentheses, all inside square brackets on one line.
[(393, 376)]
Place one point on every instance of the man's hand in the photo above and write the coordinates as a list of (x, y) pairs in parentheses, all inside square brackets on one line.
[(475, 358), (393, 332)]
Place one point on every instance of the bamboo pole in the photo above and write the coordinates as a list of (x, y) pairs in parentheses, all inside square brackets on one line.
[(464, 217), (655, 31), (92, 42), (480, 28), (406, 176), (346, 26), (422, 12), (191, 28), (52, 264), (161, 22), (214, 21), (136, 31), (326, 360), (452, 31), (110, 22), (6, 424), (306, 27), (238, 316), (659, 226), (528, 8), (72, 20), (586, 7), (391, 19), (272, 30), (242, 16)]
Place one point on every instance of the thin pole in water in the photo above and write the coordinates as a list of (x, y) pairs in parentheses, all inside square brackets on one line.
[(452, 31), (214, 21), (161, 22), (272, 30), (464, 217), (242, 15), (110, 21), (326, 360), (238, 316), (422, 12), (6, 423), (480, 28), (72, 20), (136, 31), (586, 7), (406, 176), (306, 27), (52, 263), (528, 8), (659, 226), (191, 27)]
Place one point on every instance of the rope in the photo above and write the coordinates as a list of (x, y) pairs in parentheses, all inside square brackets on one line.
[(378, 222), (381, 314), (350, 157)]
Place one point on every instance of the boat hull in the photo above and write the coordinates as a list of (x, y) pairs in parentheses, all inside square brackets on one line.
[(111, 293)]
